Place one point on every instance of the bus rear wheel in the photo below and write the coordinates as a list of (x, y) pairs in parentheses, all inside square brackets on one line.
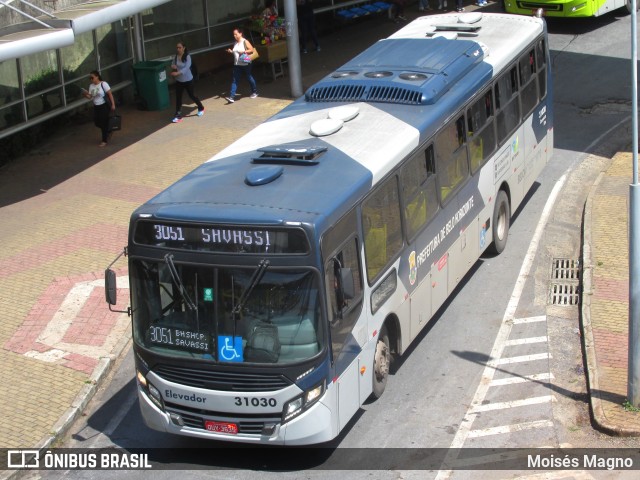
[(381, 363), (500, 222)]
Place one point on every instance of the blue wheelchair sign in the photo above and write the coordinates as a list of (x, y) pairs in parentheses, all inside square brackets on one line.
[(230, 349)]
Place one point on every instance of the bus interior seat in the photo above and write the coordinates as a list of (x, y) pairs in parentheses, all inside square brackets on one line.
[(416, 211), (295, 338), (375, 245), (298, 338)]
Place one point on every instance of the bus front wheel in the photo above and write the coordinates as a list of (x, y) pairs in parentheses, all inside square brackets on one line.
[(381, 363), (501, 221)]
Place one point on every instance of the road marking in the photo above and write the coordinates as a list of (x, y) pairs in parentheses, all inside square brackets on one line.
[(536, 377), (513, 404), (526, 341), (539, 318), (508, 321), (523, 358), (517, 427)]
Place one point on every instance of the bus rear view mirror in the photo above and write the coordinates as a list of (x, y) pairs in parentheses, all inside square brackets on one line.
[(111, 288), (110, 291), (346, 281)]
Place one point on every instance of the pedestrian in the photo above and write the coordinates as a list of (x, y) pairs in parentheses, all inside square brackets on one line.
[(240, 66), (181, 72), (396, 11), (103, 104), (423, 5), (459, 7), (307, 23)]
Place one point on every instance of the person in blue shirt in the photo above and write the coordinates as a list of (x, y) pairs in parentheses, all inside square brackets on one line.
[(181, 72)]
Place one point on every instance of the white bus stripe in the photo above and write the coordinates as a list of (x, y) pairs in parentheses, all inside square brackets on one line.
[(514, 403), (526, 341), (517, 427), (524, 358), (526, 378)]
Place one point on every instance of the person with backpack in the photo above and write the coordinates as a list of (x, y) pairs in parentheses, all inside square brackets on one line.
[(181, 72), (103, 104)]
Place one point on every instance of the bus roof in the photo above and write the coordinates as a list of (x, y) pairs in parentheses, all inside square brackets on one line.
[(295, 167)]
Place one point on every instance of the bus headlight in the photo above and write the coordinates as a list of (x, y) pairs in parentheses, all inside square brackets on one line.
[(152, 392), (296, 406)]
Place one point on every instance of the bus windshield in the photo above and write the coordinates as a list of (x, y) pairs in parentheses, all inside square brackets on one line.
[(226, 314)]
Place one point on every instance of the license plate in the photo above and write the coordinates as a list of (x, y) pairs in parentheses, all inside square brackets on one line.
[(221, 427)]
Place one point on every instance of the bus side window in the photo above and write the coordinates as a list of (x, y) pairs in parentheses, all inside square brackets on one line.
[(481, 134), (541, 61), (528, 85), (419, 198), (344, 300), (507, 105), (451, 156), (382, 228)]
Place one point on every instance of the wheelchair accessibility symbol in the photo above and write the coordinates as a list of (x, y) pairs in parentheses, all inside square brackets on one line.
[(230, 348)]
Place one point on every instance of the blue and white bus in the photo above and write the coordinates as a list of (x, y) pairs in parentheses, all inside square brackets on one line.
[(271, 287)]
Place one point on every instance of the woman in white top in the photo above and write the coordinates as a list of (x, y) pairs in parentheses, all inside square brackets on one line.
[(100, 93), (241, 67)]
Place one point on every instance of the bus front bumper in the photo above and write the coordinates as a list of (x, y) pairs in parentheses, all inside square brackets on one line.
[(311, 427)]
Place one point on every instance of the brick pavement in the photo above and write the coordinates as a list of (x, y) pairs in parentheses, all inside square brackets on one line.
[(65, 208), (606, 297)]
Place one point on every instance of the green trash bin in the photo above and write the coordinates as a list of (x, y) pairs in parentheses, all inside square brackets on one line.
[(152, 84)]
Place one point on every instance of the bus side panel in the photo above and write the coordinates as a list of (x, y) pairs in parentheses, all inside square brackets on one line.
[(420, 307), (348, 394), (515, 146), (366, 377), (535, 131), (439, 277), (463, 254)]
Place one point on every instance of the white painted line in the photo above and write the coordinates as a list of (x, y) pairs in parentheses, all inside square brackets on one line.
[(505, 330), (526, 341), (524, 358), (517, 427), (540, 318), (526, 378), (513, 404), (71, 306)]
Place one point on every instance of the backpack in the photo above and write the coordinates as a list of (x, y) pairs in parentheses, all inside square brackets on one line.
[(193, 68)]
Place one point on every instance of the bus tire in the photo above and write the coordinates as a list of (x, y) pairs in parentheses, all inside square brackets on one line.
[(381, 363), (500, 223)]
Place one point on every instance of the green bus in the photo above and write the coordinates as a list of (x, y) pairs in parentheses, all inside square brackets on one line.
[(566, 8)]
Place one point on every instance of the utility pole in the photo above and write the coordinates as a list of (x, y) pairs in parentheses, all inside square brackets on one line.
[(293, 47), (633, 376)]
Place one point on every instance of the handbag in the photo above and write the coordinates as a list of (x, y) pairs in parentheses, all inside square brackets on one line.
[(115, 123), (246, 58)]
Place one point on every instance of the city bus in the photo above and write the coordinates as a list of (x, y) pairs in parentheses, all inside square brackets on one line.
[(272, 286), (566, 8)]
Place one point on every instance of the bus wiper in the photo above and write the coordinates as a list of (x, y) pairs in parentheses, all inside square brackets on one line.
[(168, 258), (255, 279)]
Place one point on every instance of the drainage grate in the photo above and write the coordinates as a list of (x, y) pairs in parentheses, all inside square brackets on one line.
[(565, 282)]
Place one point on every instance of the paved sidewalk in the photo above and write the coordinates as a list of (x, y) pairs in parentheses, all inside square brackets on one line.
[(605, 298), (64, 211)]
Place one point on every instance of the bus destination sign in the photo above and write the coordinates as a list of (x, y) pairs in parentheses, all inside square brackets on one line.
[(179, 338), (221, 239)]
